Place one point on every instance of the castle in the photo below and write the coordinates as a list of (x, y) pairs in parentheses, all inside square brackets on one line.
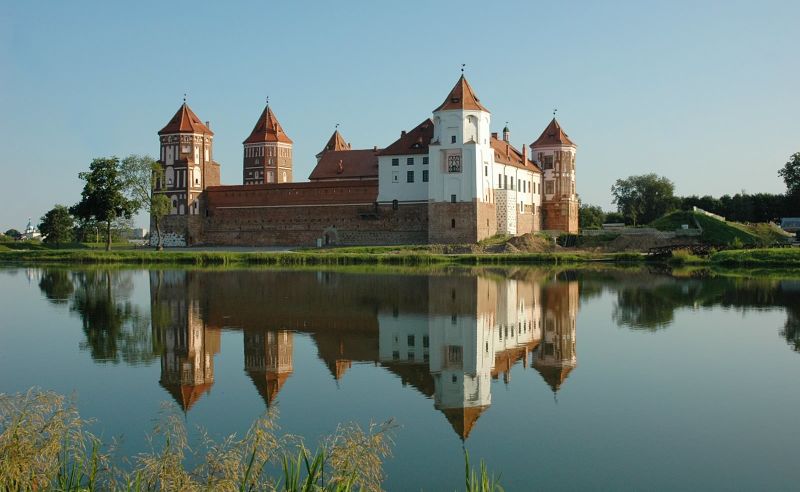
[(447, 180)]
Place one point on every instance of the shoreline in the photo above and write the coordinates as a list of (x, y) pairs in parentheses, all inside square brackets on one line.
[(778, 258)]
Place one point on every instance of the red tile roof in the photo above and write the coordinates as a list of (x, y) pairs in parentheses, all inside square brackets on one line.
[(336, 142), (346, 164), (267, 129), (462, 97), (553, 135), (463, 419), (413, 142), (185, 121), (505, 153)]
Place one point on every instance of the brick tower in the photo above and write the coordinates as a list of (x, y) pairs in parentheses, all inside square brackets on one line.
[(187, 158), (555, 153), (267, 152)]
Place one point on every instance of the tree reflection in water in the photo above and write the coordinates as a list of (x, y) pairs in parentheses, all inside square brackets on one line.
[(115, 328)]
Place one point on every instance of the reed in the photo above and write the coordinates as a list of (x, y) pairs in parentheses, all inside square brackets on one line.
[(44, 446)]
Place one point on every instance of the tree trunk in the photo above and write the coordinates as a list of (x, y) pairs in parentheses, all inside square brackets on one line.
[(158, 231), (108, 235)]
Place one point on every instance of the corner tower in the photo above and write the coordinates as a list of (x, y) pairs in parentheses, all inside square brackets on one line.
[(555, 153), (187, 158), (459, 151), (267, 152)]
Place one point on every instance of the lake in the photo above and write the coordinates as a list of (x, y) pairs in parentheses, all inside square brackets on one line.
[(559, 379)]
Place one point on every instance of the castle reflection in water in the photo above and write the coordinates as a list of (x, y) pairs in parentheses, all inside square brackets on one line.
[(446, 335)]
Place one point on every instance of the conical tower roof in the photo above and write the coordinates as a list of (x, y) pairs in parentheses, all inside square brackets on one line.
[(553, 135), (267, 129), (463, 419), (553, 375), (185, 121), (268, 384), (336, 142), (186, 395), (462, 97)]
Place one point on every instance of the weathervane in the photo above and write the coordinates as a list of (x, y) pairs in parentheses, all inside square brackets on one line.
[(555, 110), (462, 67), (337, 126), (267, 100), (184, 97)]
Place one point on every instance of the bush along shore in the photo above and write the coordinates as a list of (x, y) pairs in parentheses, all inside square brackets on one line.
[(772, 257), (44, 445)]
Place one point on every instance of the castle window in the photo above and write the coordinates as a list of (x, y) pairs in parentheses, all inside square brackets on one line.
[(425, 341), (396, 162), (500, 181), (424, 160), (549, 187), (485, 170), (410, 161), (395, 177), (425, 176), (452, 223), (452, 199), (395, 204), (411, 341), (452, 139), (512, 182), (454, 163), (548, 162), (409, 176)]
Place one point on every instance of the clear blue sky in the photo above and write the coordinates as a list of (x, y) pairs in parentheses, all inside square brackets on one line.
[(705, 93)]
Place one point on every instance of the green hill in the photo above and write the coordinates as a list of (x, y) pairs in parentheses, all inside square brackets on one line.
[(720, 232)]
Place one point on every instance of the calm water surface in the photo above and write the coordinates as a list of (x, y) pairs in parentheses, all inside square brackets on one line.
[(558, 379)]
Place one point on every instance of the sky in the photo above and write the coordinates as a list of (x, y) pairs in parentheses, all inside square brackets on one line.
[(705, 93)]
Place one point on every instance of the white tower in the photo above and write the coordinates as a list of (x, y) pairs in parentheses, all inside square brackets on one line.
[(458, 153)]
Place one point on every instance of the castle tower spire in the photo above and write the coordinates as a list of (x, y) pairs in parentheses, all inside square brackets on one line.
[(267, 156), (555, 152), (186, 155)]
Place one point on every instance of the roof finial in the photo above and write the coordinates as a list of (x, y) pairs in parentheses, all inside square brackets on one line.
[(462, 68), (555, 110), (337, 126)]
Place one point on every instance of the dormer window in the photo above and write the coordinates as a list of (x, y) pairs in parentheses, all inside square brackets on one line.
[(454, 99)]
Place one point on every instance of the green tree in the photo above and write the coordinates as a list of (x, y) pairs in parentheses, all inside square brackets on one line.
[(13, 233), (791, 174), (141, 174), (103, 198), (642, 199), (57, 226), (590, 216)]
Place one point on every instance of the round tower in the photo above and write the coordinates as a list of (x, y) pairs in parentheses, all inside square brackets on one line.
[(555, 153)]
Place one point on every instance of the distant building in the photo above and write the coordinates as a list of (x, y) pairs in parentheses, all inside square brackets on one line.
[(30, 232), (791, 224)]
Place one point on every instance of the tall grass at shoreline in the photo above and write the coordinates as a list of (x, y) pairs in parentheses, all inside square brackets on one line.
[(44, 446)]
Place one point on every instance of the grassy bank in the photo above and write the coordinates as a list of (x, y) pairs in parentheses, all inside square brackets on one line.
[(330, 257)]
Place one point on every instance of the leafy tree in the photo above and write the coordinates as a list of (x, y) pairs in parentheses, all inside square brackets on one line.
[(642, 199), (13, 233), (57, 226), (103, 198), (590, 216), (614, 218), (791, 174), (141, 174), (57, 286)]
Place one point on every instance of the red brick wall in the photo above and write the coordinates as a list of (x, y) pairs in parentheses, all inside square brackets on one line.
[(316, 193), (441, 216), (291, 225)]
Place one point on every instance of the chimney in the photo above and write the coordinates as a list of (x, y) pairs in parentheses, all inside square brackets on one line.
[(402, 133), (375, 148), (494, 135), (208, 124), (524, 155)]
